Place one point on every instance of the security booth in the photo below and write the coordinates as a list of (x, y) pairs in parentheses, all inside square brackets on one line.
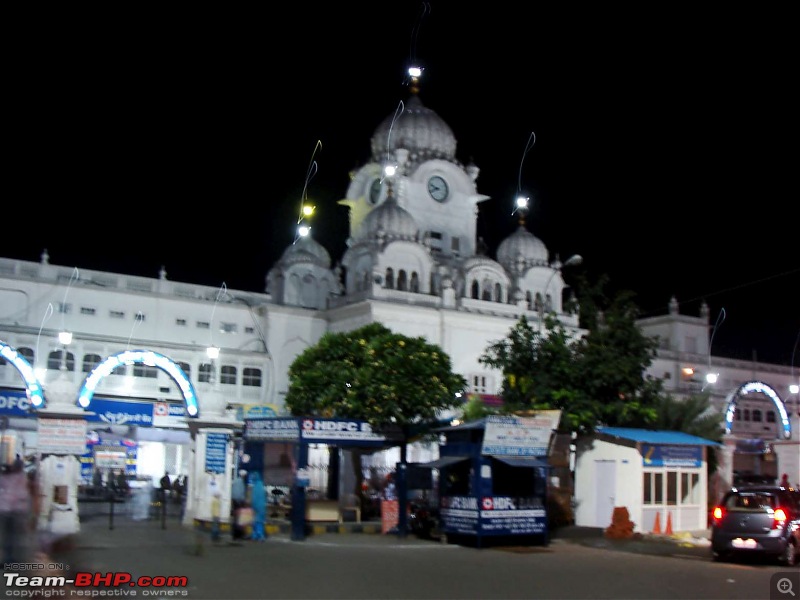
[(493, 479), (297, 434), (659, 476)]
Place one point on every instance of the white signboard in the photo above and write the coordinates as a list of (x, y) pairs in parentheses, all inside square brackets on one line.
[(62, 436), (520, 436)]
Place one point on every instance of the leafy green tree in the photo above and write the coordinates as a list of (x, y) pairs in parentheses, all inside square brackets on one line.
[(373, 374), (392, 381), (597, 379), (612, 359)]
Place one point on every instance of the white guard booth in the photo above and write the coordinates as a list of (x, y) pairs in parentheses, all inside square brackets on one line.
[(659, 476)]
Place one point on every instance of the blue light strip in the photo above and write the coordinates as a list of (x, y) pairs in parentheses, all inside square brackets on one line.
[(762, 388), (32, 386), (145, 357)]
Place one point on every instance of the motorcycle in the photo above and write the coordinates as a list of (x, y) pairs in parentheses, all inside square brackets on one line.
[(423, 521)]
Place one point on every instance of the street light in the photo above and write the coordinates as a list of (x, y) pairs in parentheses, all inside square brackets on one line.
[(572, 261)]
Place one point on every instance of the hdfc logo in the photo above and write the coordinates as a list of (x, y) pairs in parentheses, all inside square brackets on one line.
[(487, 503)]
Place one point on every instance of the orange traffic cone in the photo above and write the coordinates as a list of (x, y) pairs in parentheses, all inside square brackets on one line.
[(657, 526), (668, 528)]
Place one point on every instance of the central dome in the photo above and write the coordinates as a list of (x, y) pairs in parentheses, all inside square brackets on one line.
[(419, 130)]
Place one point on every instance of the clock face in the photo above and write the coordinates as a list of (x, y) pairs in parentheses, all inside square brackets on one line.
[(374, 191), (437, 188)]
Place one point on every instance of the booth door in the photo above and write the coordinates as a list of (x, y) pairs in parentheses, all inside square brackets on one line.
[(605, 473)]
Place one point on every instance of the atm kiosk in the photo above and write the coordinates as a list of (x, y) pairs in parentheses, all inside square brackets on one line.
[(493, 478)]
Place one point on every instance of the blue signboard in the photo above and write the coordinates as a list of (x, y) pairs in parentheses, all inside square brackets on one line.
[(216, 448), (313, 430), (662, 455), (120, 412), (493, 515), (15, 403)]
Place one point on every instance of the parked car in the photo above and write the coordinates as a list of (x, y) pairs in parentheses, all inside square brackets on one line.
[(757, 520)]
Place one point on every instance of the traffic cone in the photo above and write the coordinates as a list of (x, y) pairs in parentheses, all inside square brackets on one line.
[(657, 526), (668, 528)]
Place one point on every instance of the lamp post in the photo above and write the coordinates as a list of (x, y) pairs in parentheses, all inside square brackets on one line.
[(572, 261)]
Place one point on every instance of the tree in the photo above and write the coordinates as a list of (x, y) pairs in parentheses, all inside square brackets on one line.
[(612, 360), (597, 379), (373, 374)]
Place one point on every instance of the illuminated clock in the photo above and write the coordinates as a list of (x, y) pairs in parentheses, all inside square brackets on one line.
[(437, 188)]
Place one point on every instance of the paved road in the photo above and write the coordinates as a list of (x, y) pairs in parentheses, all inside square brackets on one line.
[(374, 566)]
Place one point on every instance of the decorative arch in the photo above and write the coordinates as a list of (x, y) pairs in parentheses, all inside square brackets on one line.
[(33, 388), (146, 357), (759, 387)]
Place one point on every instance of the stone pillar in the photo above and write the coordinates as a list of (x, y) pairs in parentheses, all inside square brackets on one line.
[(61, 441), (213, 463)]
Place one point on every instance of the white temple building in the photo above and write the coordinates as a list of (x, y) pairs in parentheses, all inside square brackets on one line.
[(413, 262)]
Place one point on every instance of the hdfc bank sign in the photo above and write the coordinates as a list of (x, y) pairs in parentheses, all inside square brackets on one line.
[(14, 402), (334, 430)]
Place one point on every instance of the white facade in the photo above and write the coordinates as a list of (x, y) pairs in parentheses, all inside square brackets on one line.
[(413, 263)]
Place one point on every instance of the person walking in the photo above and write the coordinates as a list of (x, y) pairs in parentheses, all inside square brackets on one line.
[(258, 500), (165, 487), (238, 502)]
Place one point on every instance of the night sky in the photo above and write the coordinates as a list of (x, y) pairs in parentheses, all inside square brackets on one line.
[(664, 140)]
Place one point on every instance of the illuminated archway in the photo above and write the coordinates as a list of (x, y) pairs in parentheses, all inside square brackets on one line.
[(145, 357), (32, 386), (763, 388)]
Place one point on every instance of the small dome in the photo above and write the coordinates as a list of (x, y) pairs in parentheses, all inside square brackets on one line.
[(521, 245), (390, 221), (306, 249), (419, 130), (479, 260)]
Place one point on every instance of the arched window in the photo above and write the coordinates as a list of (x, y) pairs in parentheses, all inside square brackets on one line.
[(204, 373), (756, 416), (389, 278), (227, 375), (537, 303), (90, 361), (251, 377), (402, 280), (185, 367), (475, 290), (414, 287), (529, 300), (498, 292), (487, 292), (548, 303), (54, 360)]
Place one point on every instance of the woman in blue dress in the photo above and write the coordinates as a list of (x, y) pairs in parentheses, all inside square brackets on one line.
[(258, 500)]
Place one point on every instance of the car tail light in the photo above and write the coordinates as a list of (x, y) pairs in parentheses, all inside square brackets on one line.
[(779, 518), (717, 513)]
